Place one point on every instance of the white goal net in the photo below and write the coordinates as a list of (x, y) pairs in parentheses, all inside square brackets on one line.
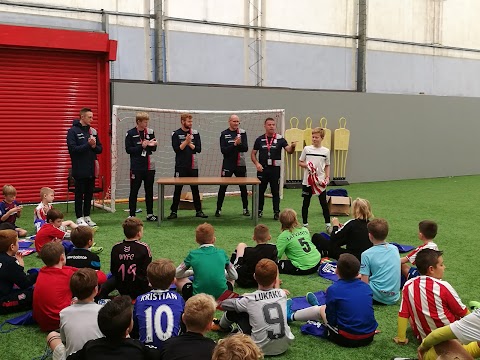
[(164, 121)]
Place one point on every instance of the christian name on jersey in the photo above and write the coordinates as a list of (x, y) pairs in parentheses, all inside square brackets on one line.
[(271, 294), (158, 296)]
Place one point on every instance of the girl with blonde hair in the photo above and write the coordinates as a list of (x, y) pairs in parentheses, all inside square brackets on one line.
[(353, 234)]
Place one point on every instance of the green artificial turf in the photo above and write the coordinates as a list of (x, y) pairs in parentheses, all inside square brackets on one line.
[(452, 202)]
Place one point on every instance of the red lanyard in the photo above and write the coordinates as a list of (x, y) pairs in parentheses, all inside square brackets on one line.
[(269, 144)]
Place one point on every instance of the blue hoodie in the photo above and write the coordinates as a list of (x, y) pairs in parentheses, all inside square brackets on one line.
[(83, 156)]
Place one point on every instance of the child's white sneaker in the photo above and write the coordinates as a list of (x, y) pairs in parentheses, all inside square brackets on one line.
[(81, 222), (89, 221)]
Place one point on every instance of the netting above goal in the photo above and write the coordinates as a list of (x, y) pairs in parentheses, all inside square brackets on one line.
[(164, 121)]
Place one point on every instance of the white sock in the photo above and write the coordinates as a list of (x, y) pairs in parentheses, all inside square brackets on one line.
[(310, 313), (328, 224)]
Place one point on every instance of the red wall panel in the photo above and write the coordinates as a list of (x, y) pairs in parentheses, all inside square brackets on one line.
[(41, 92)]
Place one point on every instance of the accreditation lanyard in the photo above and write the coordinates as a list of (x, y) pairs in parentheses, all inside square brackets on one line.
[(238, 154), (144, 151), (269, 144)]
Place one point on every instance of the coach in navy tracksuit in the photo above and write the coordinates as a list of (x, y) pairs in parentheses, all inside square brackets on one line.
[(84, 145), (187, 144), (140, 143), (234, 145)]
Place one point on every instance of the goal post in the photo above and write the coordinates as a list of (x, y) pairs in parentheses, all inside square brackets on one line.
[(209, 123)]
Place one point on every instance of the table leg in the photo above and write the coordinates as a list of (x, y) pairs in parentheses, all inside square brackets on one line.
[(255, 203), (161, 200)]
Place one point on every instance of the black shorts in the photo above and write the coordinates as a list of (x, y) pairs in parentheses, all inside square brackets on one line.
[(340, 340), (187, 290), (286, 267)]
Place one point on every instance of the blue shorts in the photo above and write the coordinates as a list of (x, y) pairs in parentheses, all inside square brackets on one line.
[(38, 224), (412, 273)]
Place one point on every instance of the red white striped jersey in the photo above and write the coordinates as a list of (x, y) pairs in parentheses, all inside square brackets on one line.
[(413, 254), (430, 303), (40, 212)]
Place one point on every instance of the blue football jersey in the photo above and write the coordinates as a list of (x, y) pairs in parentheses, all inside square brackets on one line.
[(158, 314)]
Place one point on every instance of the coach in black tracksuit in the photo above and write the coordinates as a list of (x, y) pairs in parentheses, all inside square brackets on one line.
[(187, 144), (140, 143), (83, 146), (234, 145), (269, 147)]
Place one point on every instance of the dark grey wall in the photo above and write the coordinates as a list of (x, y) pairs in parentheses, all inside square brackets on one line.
[(392, 136)]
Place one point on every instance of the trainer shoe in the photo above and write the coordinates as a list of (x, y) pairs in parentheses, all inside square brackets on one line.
[(276, 216), (218, 213), (81, 222), (290, 312), (200, 214), (328, 229), (474, 305), (305, 225), (151, 217), (216, 327), (312, 299), (89, 221), (96, 249), (173, 215), (246, 212), (260, 213)]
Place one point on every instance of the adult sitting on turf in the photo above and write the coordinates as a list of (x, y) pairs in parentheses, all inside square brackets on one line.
[(187, 144), (234, 145)]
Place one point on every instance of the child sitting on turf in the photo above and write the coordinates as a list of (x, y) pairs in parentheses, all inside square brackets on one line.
[(440, 342), (237, 347), (427, 230), (294, 241), (51, 231), (245, 258), (261, 314), (348, 312), (52, 290), (427, 300), (160, 274), (353, 234), (115, 322), (128, 262), (81, 256), (40, 213), (78, 322), (193, 345), (381, 265), (208, 263), (12, 273), (10, 209)]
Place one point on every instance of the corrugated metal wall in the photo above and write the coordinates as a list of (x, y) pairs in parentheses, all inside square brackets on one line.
[(41, 92)]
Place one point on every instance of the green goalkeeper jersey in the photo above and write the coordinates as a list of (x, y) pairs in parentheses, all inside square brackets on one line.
[(298, 247)]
